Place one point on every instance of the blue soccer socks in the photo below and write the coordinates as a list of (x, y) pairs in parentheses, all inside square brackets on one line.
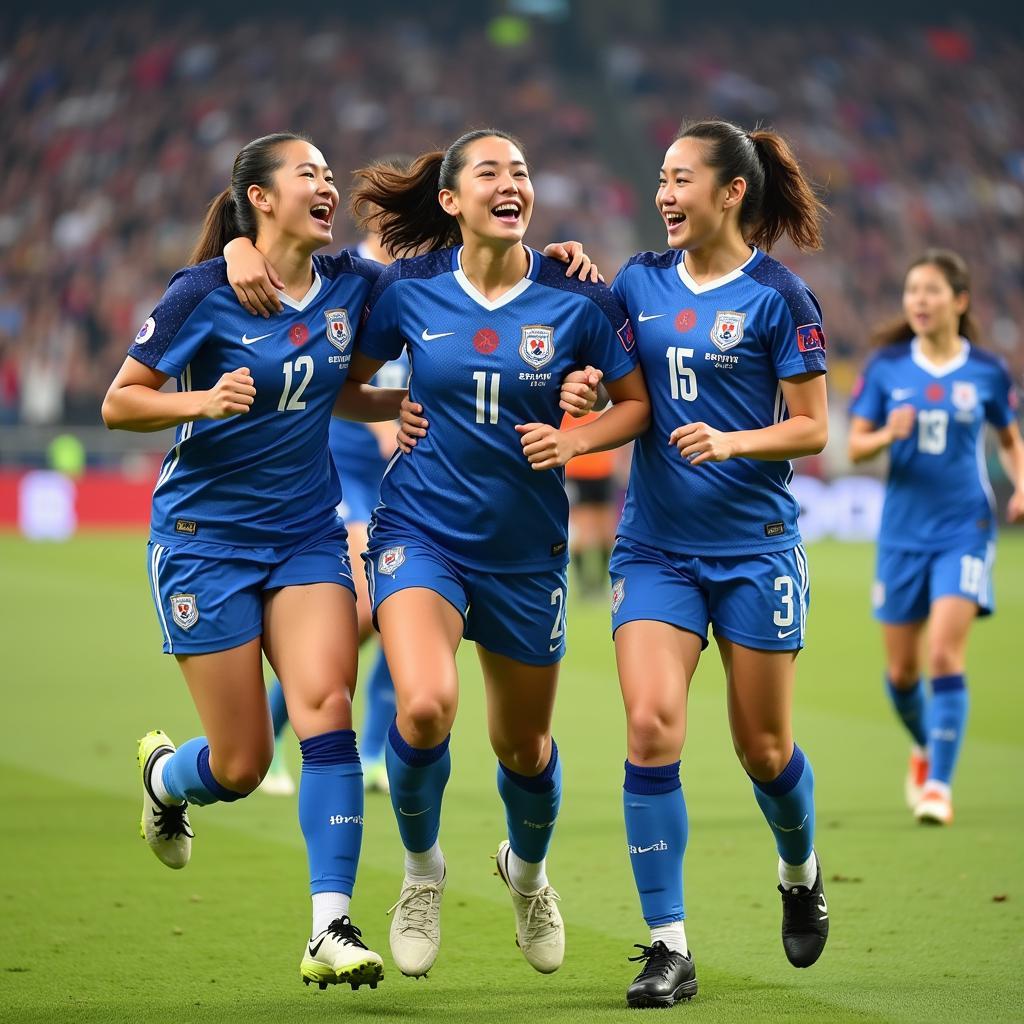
[(947, 719), (187, 775), (417, 779), (331, 809), (531, 807), (278, 708), (910, 705), (380, 710), (656, 832), (787, 803)]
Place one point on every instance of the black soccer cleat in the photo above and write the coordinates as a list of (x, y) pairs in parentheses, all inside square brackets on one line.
[(804, 922), (667, 978)]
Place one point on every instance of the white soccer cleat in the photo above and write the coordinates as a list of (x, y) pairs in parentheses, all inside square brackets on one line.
[(416, 927), (278, 781), (936, 805), (540, 933), (164, 826), (338, 955), (917, 775)]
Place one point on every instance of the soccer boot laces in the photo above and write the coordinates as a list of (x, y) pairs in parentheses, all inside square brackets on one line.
[(666, 978), (338, 955)]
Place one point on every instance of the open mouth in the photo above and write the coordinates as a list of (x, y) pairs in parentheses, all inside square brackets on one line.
[(322, 213), (507, 213), (673, 218)]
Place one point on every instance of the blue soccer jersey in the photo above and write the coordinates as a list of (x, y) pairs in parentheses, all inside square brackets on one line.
[(715, 353), (479, 367), (263, 478), (938, 493)]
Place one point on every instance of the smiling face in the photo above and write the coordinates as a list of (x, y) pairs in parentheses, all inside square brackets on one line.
[(695, 208), (493, 197), (302, 199), (930, 304)]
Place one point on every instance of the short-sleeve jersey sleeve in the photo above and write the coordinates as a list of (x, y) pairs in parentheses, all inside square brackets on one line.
[(608, 343), (795, 335), (380, 336), (180, 323), (1001, 405), (868, 397)]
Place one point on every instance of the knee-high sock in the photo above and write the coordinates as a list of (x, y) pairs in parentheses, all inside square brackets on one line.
[(910, 705), (417, 778), (278, 708), (656, 833), (531, 807), (187, 775), (787, 803), (331, 809), (947, 719), (380, 709)]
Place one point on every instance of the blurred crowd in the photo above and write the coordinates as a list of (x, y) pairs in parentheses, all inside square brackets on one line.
[(118, 130)]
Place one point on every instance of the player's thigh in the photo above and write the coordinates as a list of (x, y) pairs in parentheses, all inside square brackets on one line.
[(656, 661), (228, 691), (357, 540), (949, 629)]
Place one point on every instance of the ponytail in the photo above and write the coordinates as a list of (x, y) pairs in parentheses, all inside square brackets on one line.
[(231, 215), (779, 199), (402, 206), (953, 268)]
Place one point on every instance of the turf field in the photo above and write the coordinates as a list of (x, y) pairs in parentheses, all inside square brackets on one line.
[(927, 925)]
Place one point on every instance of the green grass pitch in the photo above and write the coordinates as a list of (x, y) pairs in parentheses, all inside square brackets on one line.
[(927, 925)]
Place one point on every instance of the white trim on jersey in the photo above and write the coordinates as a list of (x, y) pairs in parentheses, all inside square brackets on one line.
[(921, 360), (985, 590), (700, 289), (781, 409), (154, 576), (983, 477), (801, 565), (503, 300), (300, 304), (186, 433), (380, 504)]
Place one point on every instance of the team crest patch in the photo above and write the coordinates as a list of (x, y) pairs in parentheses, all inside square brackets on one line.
[(145, 332), (618, 593), (390, 559), (810, 338), (538, 345), (728, 329), (339, 330), (964, 395), (184, 610)]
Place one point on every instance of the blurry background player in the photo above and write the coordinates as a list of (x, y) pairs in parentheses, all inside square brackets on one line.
[(593, 513), (469, 537), (247, 552), (926, 395), (732, 348)]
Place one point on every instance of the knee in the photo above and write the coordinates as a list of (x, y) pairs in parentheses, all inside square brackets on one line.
[(427, 717), (765, 756), (903, 672), (242, 772), (525, 755), (945, 660), (652, 735), (324, 708)]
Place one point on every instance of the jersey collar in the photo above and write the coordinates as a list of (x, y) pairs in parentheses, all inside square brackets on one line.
[(921, 360), (707, 286), (300, 304), (502, 300)]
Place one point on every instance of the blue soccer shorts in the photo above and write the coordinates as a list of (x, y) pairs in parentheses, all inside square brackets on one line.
[(907, 582), (209, 597), (759, 601), (518, 615)]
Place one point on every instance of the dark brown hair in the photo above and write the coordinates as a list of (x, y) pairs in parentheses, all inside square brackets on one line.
[(954, 270), (779, 199), (401, 204), (230, 214)]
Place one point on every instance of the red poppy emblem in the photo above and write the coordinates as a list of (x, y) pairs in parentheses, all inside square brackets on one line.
[(485, 341), (298, 334), (686, 319)]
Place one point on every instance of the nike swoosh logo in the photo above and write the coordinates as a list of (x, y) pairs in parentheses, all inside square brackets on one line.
[(823, 907), (900, 393), (643, 319), (313, 950), (427, 336), (412, 814), (795, 828), (789, 632), (246, 340)]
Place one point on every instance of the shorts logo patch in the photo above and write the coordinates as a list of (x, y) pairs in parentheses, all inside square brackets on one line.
[(728, 329), (618, 593), (339, 330), (390, 559), (810, 338), (625, 333), (145, 332), (184, 610), (538, 345)]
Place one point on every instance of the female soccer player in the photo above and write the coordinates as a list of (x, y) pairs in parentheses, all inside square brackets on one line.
[(469, 536), (247, 554), (733, 352), (926, 395)]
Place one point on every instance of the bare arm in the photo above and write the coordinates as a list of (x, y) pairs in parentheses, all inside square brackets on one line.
[(134, 400), (1011, 455), (866, 441)]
